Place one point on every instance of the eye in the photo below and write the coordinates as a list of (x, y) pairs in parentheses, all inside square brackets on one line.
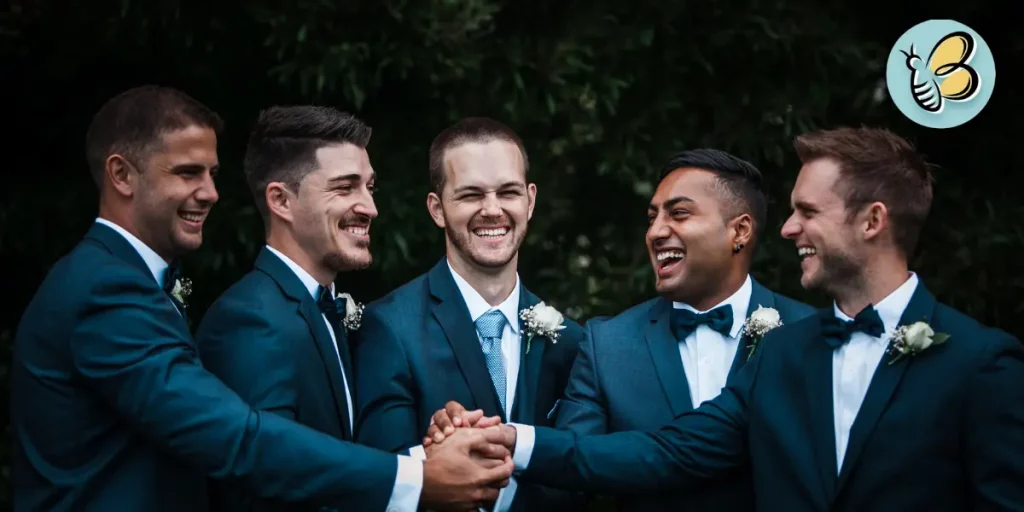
[(680, 213)]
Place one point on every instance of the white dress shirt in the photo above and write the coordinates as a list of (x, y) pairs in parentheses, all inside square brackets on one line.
[(405, 495), (854, 363), (707, 355)]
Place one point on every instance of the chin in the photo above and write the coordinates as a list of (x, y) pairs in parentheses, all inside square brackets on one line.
[(492, 260)]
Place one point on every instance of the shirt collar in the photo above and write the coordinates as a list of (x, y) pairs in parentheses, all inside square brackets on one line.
[(740, 301), (153, 261), (890, 309), (307, 280), (478, 305)]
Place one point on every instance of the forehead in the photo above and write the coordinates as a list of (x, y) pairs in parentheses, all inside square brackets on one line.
[(483, 163), (194, 145), (344, 159), (816, 183), (696, 184)]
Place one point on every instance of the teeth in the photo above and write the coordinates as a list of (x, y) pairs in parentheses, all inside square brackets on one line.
[(356, 230), (674, 255), (192, 217), (491, 232), (806, 251)]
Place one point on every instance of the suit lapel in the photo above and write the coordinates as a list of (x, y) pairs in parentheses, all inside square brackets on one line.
[(818, 362), (528, 383), (759, 297), (292, 287), (452, 314), (883, 384), (667, 361)]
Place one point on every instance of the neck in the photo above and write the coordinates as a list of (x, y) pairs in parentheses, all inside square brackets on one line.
[(290, 248), (493, 284), (724, 289), (121, 217), (878, 281)]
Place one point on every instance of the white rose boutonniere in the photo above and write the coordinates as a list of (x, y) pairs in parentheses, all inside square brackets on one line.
[(910, 340), (760, 322), (353, 312), (182, 289), (541, 320)]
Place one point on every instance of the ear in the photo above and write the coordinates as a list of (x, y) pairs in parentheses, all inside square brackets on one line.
[(875, 219), (434, 207), (531, 196), (121, 175), (279, 201), (741, 231)]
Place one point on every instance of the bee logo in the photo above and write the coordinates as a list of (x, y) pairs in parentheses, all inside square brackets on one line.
[(940, 74), (947, 75)]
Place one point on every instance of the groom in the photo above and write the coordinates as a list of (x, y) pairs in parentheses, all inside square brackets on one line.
[(455, 333), (829, 412)]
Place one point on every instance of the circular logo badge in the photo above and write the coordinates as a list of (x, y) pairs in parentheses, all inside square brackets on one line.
[(940, 73)]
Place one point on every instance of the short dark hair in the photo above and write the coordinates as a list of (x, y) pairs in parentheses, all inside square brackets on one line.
[(735, 177), (283, 144), (131, 123), (877, 165), (469, 129)]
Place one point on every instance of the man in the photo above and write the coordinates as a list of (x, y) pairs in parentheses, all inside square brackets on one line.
[(111, 409), (657, 360), (277, 337), (456, 333), (829, 412)]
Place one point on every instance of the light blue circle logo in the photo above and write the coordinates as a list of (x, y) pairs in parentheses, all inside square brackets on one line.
[(940, 73)]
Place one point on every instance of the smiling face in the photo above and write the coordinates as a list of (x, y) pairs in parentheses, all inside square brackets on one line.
[(826, 237), (486, 203), (689, 241), (173, 192), (330, 214)]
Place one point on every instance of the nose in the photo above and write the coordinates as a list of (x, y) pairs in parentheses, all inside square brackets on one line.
[(658, 231), (791, 229), (207, 192), (491, 206), (366, 206)]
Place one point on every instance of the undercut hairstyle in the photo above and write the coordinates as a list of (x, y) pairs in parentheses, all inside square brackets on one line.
[(739, 182), (283, 144), (470, 129), (132, 123), (876, 165)]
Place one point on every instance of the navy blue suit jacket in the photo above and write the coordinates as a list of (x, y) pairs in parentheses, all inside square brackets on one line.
[(418, 348), (111, 409), (267, 340), (943, 430), (629, 376)]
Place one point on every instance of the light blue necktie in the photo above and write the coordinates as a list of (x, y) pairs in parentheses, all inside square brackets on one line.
[(490, 327)]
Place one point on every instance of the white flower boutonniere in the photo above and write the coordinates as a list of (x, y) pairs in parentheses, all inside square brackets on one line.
[(910, 340), (182, 289), (541, 320), (353, 312), (759, 323)]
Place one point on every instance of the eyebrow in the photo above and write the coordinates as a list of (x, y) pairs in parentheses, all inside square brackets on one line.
[(350, 177), (803, 205), (474, 188), (672, 202), (192, 168)]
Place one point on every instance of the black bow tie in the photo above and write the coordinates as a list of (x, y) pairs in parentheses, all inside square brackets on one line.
[(685, 321), (171, 276), (837, 331), (333, 308)]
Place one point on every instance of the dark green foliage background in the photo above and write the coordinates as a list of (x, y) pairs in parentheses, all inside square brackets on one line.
[(601, 91)]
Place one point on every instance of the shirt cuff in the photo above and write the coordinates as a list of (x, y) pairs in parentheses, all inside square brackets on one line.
[(418, 452), (405, 497), (524, 446)]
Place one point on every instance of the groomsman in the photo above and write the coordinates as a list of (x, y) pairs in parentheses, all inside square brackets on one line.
[(659, 359), (888, 400), (456, 333), (111, 409)]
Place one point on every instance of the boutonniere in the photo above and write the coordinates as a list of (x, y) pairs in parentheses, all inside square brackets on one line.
[(353, 312), (759, 323), (541, 320), (182, 289), (910, 340)]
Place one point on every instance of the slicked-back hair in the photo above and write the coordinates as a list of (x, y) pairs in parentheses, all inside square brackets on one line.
[(739, 181), (283, 144), (131, 124), (470, 129), (877, 165)]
